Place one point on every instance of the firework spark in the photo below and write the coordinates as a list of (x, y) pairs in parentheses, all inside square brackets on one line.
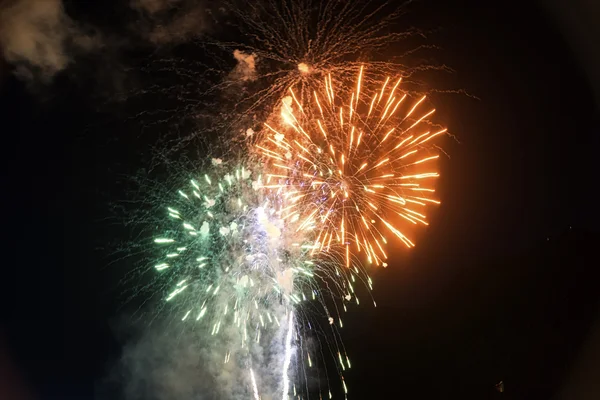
[(245, 253), (355, 167), (346, 164), (295, 43), (225, 259), (220, 256)]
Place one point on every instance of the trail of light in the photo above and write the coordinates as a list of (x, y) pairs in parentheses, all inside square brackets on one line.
[(288, 357), (254, 387)]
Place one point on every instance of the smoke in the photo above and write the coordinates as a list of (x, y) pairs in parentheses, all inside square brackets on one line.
[(153, 6), (170, 21), (204, 343), (173, 361), (245, 70), (163, 366), (40, 39)]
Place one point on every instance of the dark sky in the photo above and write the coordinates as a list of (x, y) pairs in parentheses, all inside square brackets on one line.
[(502, 286)]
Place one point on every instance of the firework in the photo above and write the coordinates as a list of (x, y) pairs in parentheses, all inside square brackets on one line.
[(358, 168), (253, 254), (229, 265), (219, 256), (295, 43), (231, 78), (227, 262)]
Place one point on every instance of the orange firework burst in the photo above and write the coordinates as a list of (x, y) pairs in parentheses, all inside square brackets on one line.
[(354, 170)]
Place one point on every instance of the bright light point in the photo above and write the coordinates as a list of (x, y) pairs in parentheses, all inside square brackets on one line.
[(304, 68), (204, 229)]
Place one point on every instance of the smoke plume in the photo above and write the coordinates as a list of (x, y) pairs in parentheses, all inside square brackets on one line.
[(40, 39), (245, 70)]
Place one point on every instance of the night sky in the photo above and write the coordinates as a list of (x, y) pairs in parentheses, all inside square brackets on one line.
[(503, 285)]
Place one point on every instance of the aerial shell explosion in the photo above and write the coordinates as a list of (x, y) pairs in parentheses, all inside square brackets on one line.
[(332, 179), (356, 169)]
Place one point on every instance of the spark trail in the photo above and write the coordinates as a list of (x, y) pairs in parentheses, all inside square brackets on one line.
[(296, 43), (222, 263), (242, 253), (217, 250), (229, 264), (357, 167), (346, 165), (254, 387)]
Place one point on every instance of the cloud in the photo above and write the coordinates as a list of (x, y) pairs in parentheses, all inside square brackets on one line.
[(39, 38), (245, 70)]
